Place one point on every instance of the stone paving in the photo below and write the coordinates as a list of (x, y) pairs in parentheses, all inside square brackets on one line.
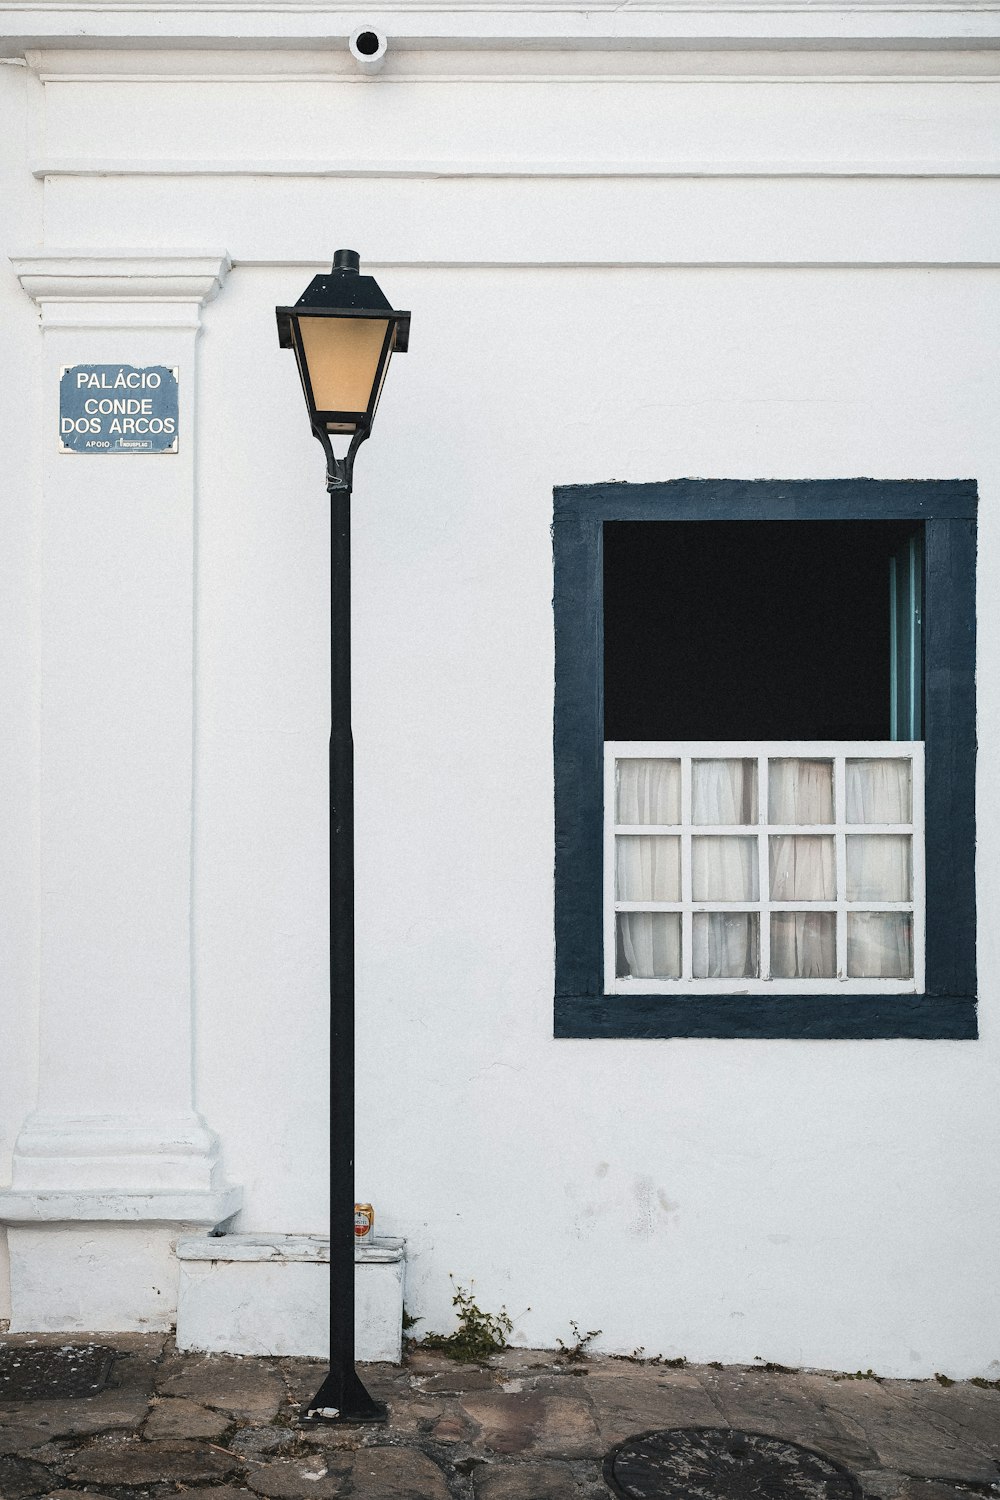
[(531, 1425)]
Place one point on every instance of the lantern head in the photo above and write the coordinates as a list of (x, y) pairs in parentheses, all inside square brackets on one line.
[(344, 332)]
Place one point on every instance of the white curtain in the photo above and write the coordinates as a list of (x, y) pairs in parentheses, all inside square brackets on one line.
[(724, 791), (648, 867), (725, 945), (649, 791), (800, 791), (878, 791), (879, 868), (879, 945), (724, 869), (801, 868), (649, 944), (803, 944)]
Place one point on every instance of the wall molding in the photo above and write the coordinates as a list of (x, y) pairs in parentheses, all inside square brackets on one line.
[(665, 264), (135, 313), (471, 12), (515, 169), (315, 265), (311, 75), (481, 19)]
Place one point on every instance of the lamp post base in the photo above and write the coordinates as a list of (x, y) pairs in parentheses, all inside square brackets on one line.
[(343, 1402)]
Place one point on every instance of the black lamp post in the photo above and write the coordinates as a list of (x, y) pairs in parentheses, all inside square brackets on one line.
[(344, 333)]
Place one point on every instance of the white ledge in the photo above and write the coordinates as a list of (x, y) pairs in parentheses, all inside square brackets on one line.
[(121, 275), (618, 170), (22, 1206), (283, 1247)]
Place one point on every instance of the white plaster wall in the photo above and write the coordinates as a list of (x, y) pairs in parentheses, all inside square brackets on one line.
[(631, 318), (20, 219), (828, 1203)]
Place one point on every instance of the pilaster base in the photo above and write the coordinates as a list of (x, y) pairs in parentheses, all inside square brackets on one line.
[(110, 1266), (127, 1157)]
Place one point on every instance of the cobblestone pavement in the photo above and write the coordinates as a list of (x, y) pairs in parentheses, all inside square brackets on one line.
[(529, 1426)]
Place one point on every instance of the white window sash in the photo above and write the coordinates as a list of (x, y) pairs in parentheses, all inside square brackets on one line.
[(840, 831)]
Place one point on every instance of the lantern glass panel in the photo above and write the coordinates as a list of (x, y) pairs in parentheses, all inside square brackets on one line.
[(342, 355)]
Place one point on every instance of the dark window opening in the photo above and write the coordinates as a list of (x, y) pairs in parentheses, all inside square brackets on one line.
[(762, 630)]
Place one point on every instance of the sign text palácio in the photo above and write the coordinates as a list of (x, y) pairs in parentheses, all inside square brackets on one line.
[(118, 409)]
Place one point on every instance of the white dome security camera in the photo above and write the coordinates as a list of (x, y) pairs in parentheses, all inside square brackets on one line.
[(368, 48)]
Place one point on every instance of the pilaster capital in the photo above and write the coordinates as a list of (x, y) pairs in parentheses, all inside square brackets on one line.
[(84, 288)]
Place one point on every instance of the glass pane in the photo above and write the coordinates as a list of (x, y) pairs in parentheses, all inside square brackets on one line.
[(878, 867), (343, 356), (906, 569), (879, 791), (724, 869), (647, 868), (800, 791), (803, 868), (803, 945), (724, 791), (648, 791), (648, 945), (725, 945), (880, 945)]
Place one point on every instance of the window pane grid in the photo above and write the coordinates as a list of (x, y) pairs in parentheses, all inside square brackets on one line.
[(749, 876)]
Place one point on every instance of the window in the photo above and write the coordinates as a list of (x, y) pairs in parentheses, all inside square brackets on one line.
[(776, 838)]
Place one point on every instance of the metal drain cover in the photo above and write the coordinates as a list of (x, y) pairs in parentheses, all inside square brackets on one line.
[(719, 1463), (29, 1373)]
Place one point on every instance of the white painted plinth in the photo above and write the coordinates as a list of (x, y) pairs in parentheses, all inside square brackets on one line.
[(270, 1294), (93, 1277)]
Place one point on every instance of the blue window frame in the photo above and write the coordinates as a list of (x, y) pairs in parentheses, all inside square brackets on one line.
[(945, 601)]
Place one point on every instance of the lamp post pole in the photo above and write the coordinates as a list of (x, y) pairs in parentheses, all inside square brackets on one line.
[(342, 1396), (343, 332)]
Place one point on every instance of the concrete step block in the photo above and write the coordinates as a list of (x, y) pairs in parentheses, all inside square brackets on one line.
[(270, 1294)]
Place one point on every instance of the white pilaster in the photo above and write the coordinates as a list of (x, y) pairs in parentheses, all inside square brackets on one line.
[(115, 1135)]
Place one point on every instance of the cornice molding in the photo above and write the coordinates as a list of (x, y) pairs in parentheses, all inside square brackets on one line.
[(128, 277), (603, 25)]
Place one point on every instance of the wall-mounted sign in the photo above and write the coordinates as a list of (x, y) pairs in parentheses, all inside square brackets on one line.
[(118, 409)]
